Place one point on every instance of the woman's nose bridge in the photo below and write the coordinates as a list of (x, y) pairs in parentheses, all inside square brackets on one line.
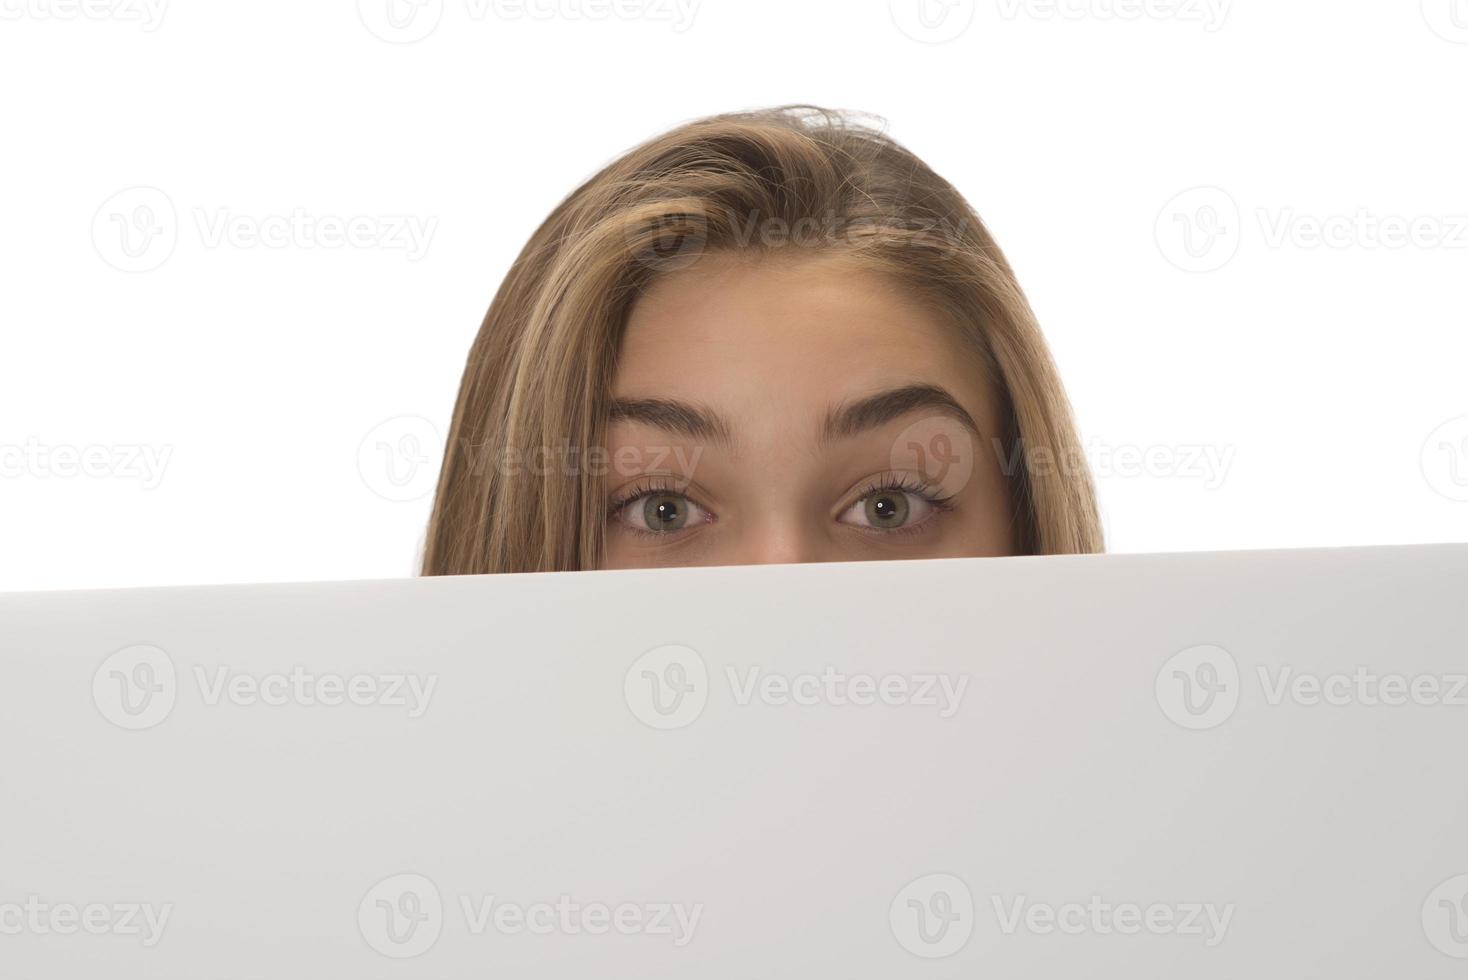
[(780, 540)]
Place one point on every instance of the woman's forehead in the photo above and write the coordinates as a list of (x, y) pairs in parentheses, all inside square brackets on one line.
[(813, 330)]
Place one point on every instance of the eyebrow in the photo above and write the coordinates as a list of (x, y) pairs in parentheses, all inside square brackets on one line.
[(885, 406), (673, 416), (842, 422)]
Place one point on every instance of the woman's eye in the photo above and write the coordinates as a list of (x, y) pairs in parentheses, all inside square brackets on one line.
[(661, 513), (887, 509)]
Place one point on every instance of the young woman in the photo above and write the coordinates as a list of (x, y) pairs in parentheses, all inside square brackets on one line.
[(771, 336)]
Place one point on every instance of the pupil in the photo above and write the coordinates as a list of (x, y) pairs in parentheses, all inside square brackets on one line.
[(667, 512), (887, 509)]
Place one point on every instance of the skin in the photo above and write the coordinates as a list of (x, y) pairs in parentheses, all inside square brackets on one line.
[(792, 409)]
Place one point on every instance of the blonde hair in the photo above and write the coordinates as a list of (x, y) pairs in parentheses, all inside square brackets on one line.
[(540, 370)]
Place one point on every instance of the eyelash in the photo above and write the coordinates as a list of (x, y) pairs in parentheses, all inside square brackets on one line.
[(887, 483)]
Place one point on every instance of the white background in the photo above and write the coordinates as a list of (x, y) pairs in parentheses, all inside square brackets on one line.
[(257, 378)]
